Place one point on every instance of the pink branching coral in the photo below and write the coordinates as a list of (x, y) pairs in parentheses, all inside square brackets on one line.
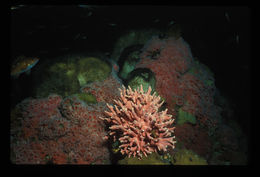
[(137, 123)]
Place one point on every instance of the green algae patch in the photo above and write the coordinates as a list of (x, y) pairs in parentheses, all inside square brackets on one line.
[(184, 117), (91, 69), (137, 81), (142, 76), (152, 159), (87, 98), (187, 157), (67, 74)]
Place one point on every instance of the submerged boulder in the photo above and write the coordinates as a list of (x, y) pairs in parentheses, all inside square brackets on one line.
[(187, 157), (152, 159), (141, 76), (66, 75)]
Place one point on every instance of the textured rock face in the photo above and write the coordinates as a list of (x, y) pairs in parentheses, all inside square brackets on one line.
[(68, 74), (59, 131)]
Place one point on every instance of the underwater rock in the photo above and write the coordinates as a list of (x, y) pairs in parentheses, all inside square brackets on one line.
[(128, 60), (141, 76), (87, 98), (132, 37), (228, 158), (227, 137), (226, 104), (68, 74), (47, 136), (203, 72), (57, 77), (187, 157), (152, 159), (181, 80), (184, 117), (92, 69), (194, 138), (168, 59), (104, 91)]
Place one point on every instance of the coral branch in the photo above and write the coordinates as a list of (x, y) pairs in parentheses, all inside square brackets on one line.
[(136, 122)]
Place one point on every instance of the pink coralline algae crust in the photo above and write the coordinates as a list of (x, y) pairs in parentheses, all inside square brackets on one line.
[(47, 136), (36, 112), (172, 58), (194, 138), (104, 91), (137, 124), (171, 61), (87, 130)]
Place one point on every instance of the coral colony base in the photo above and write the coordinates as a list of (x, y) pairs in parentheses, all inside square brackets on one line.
[(137, 123)]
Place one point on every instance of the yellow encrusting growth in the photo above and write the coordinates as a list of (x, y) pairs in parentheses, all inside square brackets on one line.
[(187, 157)]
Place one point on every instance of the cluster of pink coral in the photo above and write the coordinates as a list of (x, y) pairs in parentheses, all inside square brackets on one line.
[(46, 135), (179, 79), (138, 125)]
